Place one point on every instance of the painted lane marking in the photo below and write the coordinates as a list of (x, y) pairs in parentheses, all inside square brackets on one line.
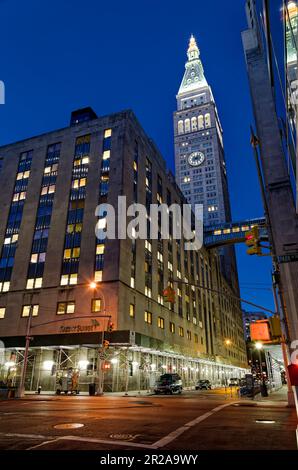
[(174, 434)]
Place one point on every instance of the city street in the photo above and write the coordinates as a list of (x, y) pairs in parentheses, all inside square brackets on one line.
[(195, 420)]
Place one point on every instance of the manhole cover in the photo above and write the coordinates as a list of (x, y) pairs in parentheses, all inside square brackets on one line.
[(68, 426), (265, 421), (122, 437)]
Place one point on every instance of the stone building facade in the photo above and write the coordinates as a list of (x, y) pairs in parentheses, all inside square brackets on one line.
[(70, 286)]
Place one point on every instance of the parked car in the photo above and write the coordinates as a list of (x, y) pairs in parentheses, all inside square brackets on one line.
[(168, 384), (203, 385)]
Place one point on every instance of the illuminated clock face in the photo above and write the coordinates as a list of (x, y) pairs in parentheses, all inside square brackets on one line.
[(196, 158)]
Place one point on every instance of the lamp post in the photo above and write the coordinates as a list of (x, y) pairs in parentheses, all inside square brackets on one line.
[(259, 347), (21, 388), (100, 372)]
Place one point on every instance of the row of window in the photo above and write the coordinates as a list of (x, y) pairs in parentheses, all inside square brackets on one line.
[(62, 308), (196, 123)]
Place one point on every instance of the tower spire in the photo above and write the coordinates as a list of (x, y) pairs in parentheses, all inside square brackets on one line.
[(194, 78)]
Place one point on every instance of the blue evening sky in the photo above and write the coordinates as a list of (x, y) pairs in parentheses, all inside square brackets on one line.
[(57, 56)]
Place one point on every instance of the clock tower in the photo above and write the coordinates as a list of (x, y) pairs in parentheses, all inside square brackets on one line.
[(199, 154)]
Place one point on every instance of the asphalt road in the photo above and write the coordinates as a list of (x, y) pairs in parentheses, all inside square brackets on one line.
[(192, 421)]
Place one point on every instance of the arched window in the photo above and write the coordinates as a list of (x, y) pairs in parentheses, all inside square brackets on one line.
[(180, 127), (207, 120), (194, 126), (201, 122), (187, 125)]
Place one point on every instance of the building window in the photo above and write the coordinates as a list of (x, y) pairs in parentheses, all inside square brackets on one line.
[(161, 323), (148, 317), (194, 126), (132, 310), (98, 276), (27, 308), (34, 283), (180, 127), (207, 120), (187, 125), (181, 331), (70, 279), (2, 312), (172, 327), (107, 133), (188, 335), (201, 122), (95, 305), (65, 307)]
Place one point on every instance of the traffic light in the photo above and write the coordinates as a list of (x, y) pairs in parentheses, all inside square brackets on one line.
[(169, 295), (105, 344), (252, 240), (275, 327), (110, 327)]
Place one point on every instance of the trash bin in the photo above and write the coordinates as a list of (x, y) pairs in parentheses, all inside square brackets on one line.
[(92, 389)]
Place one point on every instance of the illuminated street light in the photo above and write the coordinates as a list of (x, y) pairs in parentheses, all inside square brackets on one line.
[(228, 342), (93, 285), (259, 345)]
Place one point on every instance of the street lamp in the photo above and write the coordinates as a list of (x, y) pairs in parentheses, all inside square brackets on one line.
[(21, 388), (259, 347)]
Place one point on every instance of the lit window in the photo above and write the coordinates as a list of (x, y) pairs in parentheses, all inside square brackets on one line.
[(148, 292), (207, 120), (47, 169), (132, 310), (30, 284), (67, 253), (76, 252), (65, 307), (132, 282), (181, 331), (34, 258), (172, 327), (201, 122), (98, 276), (64, 280), (38, 282), (100, 249), (189, 335), (85, 160), (27, 308), (180, 127), (194, 126), (5, 286), (7, 241), (161, 323), (106, 154), (148, 317), (135, 166), (96, 305), (51, 189), (22, 195), (73, 279), (2, 312), (187, 125), (107, 133), (14, 238)]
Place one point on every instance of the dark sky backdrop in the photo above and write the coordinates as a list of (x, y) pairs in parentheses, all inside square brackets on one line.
[(57, 56)]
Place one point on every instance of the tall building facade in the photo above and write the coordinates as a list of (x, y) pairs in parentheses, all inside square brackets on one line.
[(199, 153), (50, 255)]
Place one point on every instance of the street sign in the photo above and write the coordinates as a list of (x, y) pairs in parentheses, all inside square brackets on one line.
[(290, 258)]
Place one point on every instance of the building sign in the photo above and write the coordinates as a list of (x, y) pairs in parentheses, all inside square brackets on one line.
[(93, 327)]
